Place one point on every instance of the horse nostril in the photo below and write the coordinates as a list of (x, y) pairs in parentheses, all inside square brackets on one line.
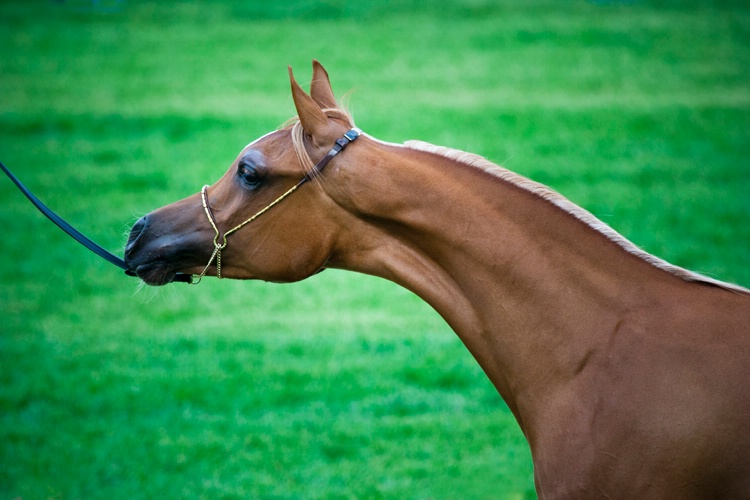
[(136, 231)]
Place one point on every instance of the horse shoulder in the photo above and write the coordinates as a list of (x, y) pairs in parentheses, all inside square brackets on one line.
[(662, 407)]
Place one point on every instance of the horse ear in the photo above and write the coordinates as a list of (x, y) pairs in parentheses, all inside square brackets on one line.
[(320, 88), (313, 119)]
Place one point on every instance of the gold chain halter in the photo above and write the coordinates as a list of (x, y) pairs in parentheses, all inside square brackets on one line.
[(341, 143)]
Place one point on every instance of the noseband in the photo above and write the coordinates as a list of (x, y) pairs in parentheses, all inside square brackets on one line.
[(341, 143)]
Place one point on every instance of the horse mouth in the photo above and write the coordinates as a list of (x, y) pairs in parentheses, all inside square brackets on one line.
[(156, 260), (155, 273)]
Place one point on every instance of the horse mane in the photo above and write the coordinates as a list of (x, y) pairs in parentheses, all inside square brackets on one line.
[(537, 189), (571, 208)]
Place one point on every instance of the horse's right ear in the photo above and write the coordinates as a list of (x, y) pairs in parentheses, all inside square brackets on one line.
[(320, 87), (313, 120)]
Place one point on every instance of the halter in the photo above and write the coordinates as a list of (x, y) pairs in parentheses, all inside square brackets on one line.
[(341, 143)]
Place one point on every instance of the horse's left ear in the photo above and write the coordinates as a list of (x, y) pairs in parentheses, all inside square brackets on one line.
[(314, 121), (320, 88)]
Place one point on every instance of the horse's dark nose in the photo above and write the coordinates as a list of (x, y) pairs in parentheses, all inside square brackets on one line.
[(135, 233)]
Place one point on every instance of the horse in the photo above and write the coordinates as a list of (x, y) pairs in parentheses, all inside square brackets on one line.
[(628, 376)]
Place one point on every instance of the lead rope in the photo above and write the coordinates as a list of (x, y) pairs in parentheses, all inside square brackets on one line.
[(218, 247)]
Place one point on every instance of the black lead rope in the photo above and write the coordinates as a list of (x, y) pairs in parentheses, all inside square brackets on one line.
[(178, 277), (74, 233)]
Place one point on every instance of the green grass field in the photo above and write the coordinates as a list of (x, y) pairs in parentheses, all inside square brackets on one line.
[(342, 386)]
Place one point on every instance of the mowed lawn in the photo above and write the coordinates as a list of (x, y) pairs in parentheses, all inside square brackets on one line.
[(341, 386)]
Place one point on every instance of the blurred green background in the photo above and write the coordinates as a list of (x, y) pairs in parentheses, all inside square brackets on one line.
[(342, 386)]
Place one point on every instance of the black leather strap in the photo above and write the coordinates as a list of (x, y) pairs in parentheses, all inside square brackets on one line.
[(77, 235), (336, 149), (73, 232)]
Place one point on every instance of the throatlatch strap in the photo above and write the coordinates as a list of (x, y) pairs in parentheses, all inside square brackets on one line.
[(341, 143)]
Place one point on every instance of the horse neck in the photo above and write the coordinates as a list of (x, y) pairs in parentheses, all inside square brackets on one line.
[(528, 288)]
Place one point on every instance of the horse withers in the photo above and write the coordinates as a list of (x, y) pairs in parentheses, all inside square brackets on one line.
[(630, 377)]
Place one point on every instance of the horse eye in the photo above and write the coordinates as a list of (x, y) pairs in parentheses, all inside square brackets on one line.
[(248, 174)]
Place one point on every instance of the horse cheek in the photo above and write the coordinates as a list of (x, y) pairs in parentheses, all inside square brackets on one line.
[(292, 255)]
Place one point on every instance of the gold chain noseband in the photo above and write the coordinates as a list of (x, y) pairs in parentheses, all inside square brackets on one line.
[(341, 143)]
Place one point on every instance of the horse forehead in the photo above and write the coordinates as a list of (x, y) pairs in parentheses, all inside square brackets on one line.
[(269, 146), (256, 143)]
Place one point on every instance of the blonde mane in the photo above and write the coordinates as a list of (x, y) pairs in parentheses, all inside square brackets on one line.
[(569, 207), (522, 182)]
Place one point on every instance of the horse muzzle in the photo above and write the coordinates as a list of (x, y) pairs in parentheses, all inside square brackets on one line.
[(156, 255)]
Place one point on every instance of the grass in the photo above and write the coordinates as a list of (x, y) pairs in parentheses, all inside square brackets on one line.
[(342, 386)]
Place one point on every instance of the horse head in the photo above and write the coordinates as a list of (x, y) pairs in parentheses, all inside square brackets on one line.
[(219, 231)]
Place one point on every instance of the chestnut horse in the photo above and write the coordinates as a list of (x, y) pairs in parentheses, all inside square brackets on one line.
[(629, 377)]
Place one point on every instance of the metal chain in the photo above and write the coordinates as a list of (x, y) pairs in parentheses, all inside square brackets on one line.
[(218, 247)]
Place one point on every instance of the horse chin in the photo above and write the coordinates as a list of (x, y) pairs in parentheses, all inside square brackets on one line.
[(155, 273)]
